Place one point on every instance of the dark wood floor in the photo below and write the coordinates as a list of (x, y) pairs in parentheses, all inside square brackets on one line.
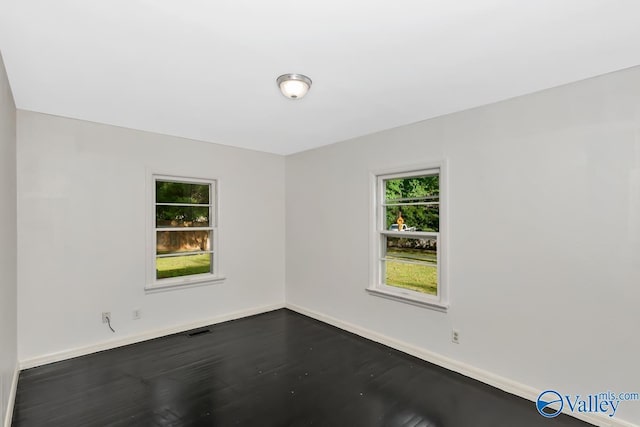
[(274, 369)]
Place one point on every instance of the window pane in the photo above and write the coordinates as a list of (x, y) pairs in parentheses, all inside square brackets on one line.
[(182, 241), (185, 265), (180, 192), (416, 277), (414, 249), (414, 218), (416, 201), (409, 189), (182, 216), (411, 264)]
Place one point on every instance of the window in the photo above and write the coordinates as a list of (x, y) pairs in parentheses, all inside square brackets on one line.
[(184, 233), (408, 237)]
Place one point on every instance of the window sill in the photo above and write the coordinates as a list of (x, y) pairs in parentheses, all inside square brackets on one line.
[(409, 299), (183, 284)]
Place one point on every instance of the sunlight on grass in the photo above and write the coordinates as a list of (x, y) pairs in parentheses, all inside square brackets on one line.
[(182, 265), (416, 277)]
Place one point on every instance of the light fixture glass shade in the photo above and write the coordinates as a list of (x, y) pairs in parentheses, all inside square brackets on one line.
[(294, 86)]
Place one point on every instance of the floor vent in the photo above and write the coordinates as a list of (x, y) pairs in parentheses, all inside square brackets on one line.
[(198, 333)]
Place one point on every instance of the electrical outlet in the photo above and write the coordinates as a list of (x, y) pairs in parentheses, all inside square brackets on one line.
[(137, 314), (455, 336), (106, 316)]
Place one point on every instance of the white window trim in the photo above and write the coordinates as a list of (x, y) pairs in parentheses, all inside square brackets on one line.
[(152, 284), (376, 287)]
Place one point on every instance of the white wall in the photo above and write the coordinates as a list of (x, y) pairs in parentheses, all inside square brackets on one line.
[(81, 243), (544, 243), (8, 236)]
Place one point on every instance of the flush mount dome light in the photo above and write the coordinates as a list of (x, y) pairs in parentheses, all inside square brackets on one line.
[(294, 86)]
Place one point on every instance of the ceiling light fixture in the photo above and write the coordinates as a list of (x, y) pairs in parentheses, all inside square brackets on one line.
[(294, 86)]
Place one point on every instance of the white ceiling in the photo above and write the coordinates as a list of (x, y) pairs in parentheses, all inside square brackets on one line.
[(206, 69)]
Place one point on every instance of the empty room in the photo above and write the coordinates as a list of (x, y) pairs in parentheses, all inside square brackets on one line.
[(363, 213)]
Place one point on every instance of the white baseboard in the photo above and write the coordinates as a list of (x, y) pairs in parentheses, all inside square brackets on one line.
[(12, 397), (132, 339), (502, 383)]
